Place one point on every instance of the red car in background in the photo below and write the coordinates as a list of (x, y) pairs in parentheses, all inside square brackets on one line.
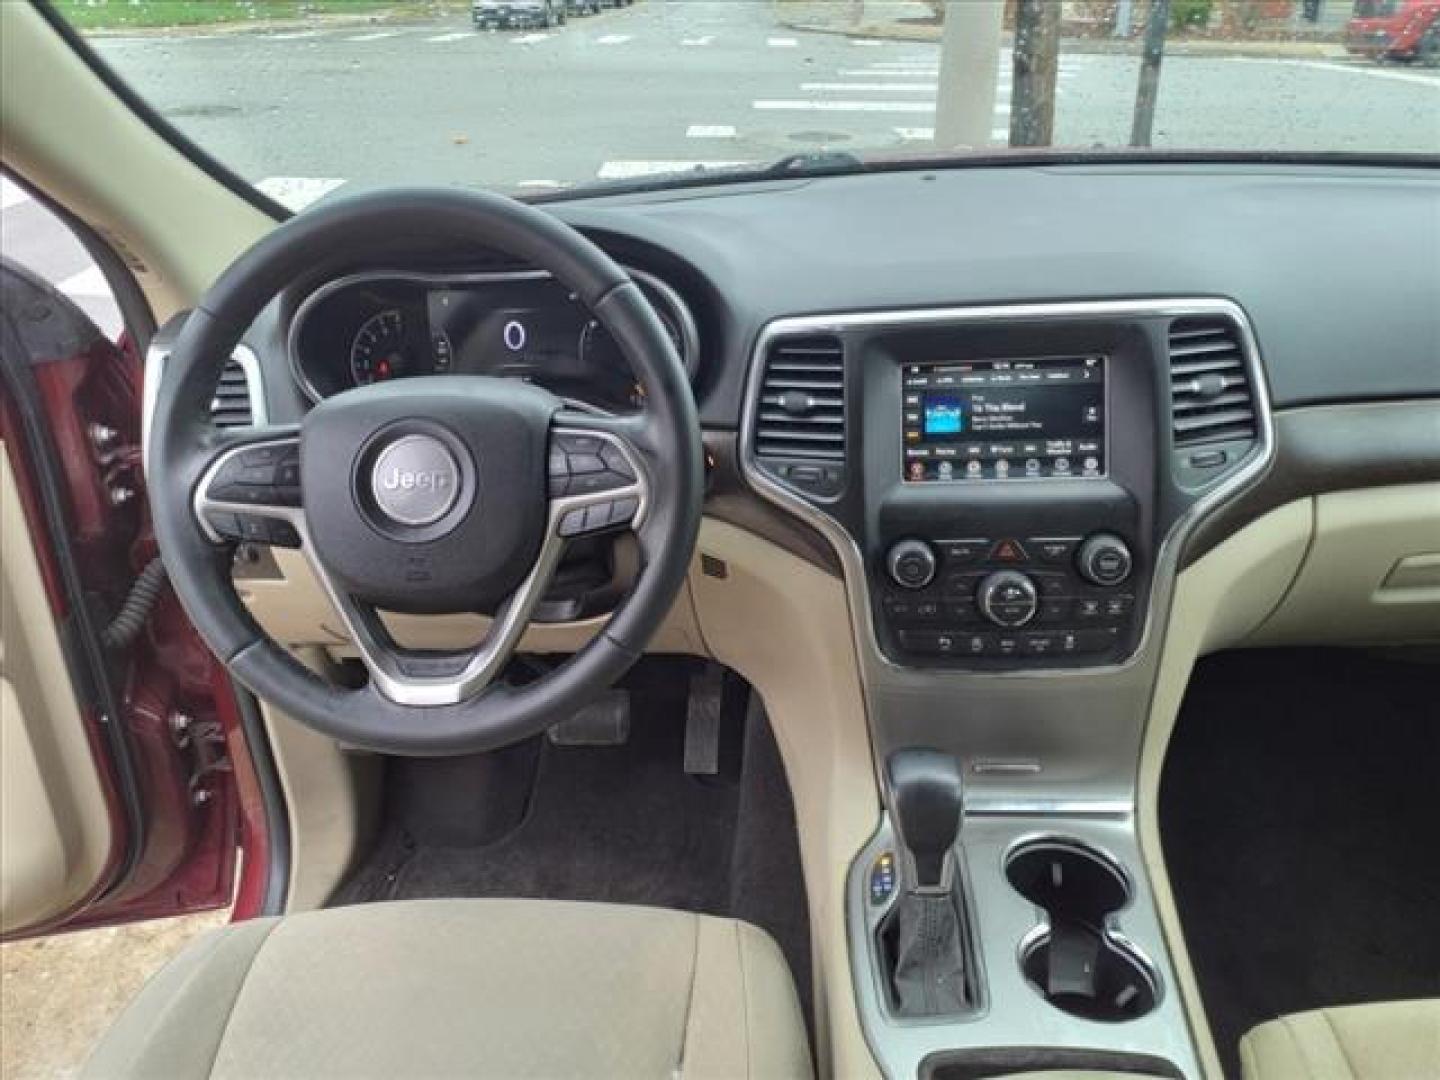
[(1395, 30)]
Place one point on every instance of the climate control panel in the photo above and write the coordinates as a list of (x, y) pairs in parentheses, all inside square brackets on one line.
[(1009, 601)]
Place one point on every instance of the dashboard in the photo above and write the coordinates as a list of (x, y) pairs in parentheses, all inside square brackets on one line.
[(1005, 405), (523, 324)]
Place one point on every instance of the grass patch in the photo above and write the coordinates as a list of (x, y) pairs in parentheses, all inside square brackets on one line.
[(130, 14)]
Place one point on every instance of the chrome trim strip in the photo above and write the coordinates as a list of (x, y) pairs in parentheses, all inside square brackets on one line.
[(488, 658), (848, 551), (156, 358), (877, 671), (684, 318)]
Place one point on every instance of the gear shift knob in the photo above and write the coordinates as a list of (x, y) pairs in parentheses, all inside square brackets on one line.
[(926, 797)]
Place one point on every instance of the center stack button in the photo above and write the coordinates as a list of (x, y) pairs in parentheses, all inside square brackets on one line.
[(1008, 598)]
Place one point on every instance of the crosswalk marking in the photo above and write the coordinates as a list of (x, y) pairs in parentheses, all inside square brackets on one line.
[(627, 170), (379, 35), (613, 39), (782, 42), (846, 106), (698, 42), (439, 38), (710, 131), (298, 192)]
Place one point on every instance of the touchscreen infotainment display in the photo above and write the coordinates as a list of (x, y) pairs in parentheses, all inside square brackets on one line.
[(1005, 419)]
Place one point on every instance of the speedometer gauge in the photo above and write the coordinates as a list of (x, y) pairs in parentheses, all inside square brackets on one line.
[(379, 350)]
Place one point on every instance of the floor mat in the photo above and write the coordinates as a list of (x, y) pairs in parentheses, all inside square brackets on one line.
[(1300, 808), (620, 824)]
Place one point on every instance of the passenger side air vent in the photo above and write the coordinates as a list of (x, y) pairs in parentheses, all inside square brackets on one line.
[(1211, 400), (800, 417), (233, 405)]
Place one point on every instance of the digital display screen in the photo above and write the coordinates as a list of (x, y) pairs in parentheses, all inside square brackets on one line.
[(1040, 419)]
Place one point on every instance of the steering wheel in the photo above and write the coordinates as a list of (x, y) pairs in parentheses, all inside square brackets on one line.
[(438, 495)]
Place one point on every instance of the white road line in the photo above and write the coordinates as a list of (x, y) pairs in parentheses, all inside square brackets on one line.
[(710, 131), (625, 170), (12, 194), (698, 42), (867, 87), (846, 106), (457, 36), (298, 35), (379, 35), (613, 39), (1376, 71), (88, 282), (782, 42), (298, 192), (910, 134), (529, 39), (864, 41), (905, 73)]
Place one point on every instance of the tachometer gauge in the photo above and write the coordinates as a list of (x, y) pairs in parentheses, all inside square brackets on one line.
[(379, 350)]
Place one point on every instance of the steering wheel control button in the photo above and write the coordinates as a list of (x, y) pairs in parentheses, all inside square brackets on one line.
[(911, 564), (1008, 598), (415, 480), (1104, 559), (615, 460)]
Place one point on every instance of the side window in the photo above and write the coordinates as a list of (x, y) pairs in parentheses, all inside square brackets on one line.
[(34, 238)]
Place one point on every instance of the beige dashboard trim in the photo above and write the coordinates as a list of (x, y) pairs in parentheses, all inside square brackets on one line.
[(1218, 602)]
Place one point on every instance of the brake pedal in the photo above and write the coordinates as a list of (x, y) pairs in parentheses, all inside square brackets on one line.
[(604, 722)]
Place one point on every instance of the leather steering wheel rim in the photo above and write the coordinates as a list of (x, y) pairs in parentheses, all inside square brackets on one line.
[(184, 445)]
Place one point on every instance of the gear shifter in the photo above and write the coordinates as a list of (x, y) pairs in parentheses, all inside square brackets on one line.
[(926, 794), (923, 939)]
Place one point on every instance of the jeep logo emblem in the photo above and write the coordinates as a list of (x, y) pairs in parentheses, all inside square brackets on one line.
[(415, 480)]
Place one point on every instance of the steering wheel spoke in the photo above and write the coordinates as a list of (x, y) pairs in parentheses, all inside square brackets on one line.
[(250, 491), (417, 677)]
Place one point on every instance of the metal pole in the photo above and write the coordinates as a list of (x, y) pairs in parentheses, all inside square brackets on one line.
[(1124, 18), (1157, 21), (969, 64), (1037, 59)]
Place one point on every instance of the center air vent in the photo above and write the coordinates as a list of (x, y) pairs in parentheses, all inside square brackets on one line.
[(233, 405), (1211, 400), (800, 421)]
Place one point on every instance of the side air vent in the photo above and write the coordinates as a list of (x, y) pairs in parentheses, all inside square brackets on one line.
[(1211, 400), (233, 405), (800, 417)]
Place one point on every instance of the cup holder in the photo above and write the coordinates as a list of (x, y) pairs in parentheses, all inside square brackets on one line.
[(1078, 963)]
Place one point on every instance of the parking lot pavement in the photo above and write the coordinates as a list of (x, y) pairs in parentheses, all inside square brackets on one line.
[(668, 84)]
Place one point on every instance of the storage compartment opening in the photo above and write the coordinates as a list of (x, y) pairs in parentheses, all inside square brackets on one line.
[(1079, 964)]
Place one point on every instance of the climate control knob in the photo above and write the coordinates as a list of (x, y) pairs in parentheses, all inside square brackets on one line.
[(1008, 598), (911, 564), (1104, 559)]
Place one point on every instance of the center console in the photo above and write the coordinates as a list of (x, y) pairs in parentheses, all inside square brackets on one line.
[(1009, 490)]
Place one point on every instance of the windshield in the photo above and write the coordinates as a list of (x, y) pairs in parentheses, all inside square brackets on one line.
[(528, 96)]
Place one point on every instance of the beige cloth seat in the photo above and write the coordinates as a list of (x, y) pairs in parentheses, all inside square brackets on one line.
[(1393, 1040), (473, 988)]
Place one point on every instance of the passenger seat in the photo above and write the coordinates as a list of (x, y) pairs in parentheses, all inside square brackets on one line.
[(1394, 1040)]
